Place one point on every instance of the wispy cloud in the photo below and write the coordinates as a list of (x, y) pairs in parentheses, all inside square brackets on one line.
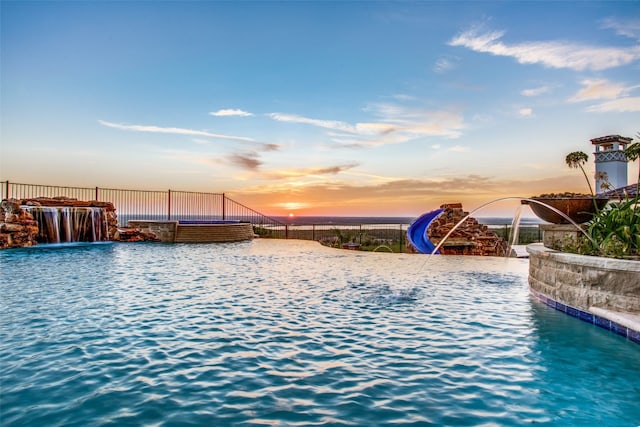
[(536, 91), (394, 123), (172, 130), (552, 54), (621, 105), (446, 63), (616, 96), (262, 146), (404, 97), (417, 122), (231, 112), (358, 128), (459, 149), (600, 89), (626, 27), (249, 161), (309, 172), (525, 112)]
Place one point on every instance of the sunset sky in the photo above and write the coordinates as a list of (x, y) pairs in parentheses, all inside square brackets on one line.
[(317, 108)]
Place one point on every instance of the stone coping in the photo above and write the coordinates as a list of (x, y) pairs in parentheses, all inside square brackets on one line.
[(584, 260)]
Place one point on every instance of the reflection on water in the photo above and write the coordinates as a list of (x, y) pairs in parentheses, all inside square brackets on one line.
[(294, 333)]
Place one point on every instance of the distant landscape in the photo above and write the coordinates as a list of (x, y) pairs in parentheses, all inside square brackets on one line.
[(345, 220)]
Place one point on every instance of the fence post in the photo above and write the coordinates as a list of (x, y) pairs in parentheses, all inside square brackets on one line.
[(224, 207), (6, 188), (96, 199), (313, 232), (168, 205), (401, 236)]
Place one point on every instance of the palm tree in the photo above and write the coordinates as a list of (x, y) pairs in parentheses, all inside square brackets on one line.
[(576, 160)]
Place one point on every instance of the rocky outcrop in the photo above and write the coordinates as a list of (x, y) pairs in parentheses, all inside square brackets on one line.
[(17, 227), (470, 238), (134, 234)]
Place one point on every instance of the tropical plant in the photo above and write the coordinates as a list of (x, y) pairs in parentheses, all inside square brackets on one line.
[(614, 231)]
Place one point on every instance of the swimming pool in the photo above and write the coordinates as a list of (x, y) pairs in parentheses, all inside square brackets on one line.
[(281, 332)]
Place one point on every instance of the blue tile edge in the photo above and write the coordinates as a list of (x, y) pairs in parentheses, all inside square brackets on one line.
[(585, 316)]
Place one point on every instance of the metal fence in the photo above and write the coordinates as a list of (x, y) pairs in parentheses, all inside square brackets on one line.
[(378, 237), (167, 205), (185, 205)]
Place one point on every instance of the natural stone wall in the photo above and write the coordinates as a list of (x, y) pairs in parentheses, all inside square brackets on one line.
[(17, 227), (471, 238), (585, 282), (165, 231)]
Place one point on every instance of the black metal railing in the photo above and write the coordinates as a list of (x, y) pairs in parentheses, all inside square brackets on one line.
[(167, 205), (187, 205)]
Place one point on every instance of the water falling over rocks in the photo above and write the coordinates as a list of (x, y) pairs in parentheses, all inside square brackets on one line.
[(471, 238), (26, 222)]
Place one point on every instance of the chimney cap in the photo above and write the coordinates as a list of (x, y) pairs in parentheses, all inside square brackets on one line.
[(611, 139)]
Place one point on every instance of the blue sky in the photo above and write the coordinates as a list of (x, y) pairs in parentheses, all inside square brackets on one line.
[(330, 108)]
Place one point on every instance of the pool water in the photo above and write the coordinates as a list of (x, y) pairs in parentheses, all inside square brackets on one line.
[(287, 333)]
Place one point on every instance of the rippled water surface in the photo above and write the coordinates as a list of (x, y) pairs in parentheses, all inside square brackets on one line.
[(275, 332)]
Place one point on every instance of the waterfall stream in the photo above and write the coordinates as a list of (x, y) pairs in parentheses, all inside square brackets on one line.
[(70, 224)]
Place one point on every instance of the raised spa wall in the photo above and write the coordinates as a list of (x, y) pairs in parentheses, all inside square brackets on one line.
[(174, 232), (601, 291)]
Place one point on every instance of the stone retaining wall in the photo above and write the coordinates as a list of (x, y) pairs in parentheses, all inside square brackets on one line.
[(585, 282)]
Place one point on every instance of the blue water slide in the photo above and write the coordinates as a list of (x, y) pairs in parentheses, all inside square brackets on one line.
[(417, 232)]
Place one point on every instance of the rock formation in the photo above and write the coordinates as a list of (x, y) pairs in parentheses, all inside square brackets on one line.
[(471, 238), (18, 228)]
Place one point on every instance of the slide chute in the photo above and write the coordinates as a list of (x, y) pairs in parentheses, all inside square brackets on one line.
[(417, 232)]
